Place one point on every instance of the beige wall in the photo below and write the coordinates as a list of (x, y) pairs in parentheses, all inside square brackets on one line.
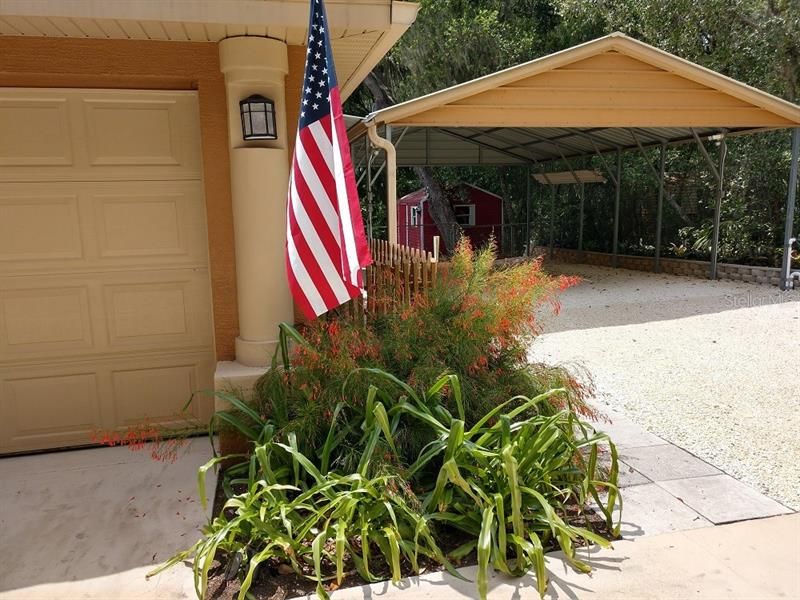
[(44, 62)]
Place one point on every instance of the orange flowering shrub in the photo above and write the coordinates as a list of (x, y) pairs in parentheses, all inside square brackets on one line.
[(478, 323)]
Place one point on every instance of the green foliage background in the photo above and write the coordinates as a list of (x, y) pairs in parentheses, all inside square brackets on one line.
[(754, 41)]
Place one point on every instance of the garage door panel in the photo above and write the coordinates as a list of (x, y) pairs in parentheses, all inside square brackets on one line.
[(105, 296), (44, 321), (169, 310), (52, 406), (39, 226), (170, 387), (148, 223), (35, 131), (50, 410), (99, 226), (138, 132), (92, 135)]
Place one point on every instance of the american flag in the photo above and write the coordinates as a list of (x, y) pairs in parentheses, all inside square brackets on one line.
[(326, 246)]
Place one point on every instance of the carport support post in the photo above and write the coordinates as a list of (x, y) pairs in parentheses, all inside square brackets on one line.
[(615, 239), (528, 212), (723, 151), (660, 209), (552, 219), (791, 196), (580, 221)]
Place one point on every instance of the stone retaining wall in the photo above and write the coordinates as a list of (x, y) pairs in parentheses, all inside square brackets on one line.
[(672, 266)]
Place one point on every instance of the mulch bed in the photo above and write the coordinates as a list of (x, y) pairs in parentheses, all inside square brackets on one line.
[(277, 581)]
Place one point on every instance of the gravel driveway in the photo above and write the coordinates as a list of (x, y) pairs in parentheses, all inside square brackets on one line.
[(713, 367)]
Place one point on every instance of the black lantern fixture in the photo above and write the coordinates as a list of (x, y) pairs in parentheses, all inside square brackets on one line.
[(258, 118)]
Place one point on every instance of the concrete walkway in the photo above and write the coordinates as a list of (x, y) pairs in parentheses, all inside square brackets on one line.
[(665, 488), (91, 523), (753, 560)]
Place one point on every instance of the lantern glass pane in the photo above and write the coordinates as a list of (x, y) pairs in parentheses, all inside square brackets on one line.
[(270, 116), (248, 130), (259, 123)]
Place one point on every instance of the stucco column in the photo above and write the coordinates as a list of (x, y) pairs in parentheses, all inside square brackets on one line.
[(259, 178)]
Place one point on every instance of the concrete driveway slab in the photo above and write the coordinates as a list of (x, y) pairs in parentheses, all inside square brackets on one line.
[(90, 523), (740, 561), (722, 499), (665, 462)]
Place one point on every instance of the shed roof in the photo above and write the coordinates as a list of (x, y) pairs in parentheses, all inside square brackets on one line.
[(611, 93)]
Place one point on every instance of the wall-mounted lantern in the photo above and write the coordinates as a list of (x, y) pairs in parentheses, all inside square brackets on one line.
[(258, 118)]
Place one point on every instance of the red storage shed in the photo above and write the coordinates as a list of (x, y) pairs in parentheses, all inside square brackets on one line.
[(478, 212)]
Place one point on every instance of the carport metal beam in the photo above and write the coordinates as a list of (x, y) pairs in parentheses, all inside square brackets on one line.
[(485, 145), (787, 282), (659, 177), (660, 208), (719, 174), (615, 237), (552, 219), (580, 223)]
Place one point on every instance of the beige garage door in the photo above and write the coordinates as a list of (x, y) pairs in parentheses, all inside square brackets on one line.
[(105, 309)]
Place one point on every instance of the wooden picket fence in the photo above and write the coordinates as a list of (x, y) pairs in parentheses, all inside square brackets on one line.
[(397, 275)]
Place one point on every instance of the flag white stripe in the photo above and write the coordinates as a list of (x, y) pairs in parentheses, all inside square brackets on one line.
[(332, 275)]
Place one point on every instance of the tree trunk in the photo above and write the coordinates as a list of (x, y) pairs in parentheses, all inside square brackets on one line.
[(440, 208), (438, 205)]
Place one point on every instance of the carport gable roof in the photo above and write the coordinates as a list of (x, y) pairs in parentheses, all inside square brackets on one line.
[(611, 93)]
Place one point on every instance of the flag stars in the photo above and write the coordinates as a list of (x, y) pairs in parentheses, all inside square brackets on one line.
[(319, 95), (315, 106)]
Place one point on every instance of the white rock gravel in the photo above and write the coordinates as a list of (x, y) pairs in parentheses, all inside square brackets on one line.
[(713, 367)]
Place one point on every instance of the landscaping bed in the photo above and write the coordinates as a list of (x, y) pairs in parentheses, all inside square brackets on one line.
[(277, 581), (418, 439)]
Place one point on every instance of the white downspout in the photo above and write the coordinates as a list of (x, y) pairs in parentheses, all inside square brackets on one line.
[(391, 180)]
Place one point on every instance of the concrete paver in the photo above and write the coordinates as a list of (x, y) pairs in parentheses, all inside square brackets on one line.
[(722, 499), (625, 433), (665, 462), (649, 510)]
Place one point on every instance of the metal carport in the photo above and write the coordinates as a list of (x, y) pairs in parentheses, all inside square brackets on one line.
[(600, 98)]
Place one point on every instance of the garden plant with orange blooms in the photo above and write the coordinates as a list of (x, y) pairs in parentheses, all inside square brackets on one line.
[(417, 439)]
